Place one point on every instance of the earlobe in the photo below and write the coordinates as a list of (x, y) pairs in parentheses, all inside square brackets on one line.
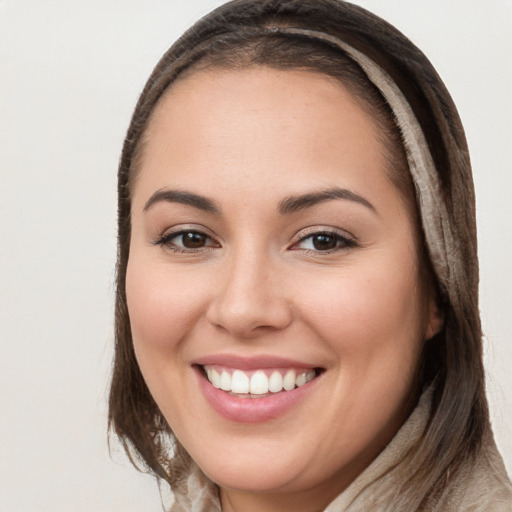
[(435, 318)]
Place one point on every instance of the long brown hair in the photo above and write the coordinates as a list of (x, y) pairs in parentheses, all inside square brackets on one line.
[(247, 33)]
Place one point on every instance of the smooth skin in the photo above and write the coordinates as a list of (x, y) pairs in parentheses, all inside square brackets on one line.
[(333, 283)]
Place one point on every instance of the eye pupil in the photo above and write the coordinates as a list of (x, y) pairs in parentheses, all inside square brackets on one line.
[(324, 242), (193, 240)]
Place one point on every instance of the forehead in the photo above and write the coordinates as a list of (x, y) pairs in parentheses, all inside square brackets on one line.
[(255, 89), (221, 128)]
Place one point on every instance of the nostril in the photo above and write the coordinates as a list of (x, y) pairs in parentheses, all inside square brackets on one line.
[(249, 318)]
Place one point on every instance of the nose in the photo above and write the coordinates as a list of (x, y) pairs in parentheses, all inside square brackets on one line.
[(250, 297)]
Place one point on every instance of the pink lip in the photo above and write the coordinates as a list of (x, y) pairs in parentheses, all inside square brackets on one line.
[(251, 363), (252, 410)]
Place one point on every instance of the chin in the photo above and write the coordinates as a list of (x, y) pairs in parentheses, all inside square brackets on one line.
[(262, 478)]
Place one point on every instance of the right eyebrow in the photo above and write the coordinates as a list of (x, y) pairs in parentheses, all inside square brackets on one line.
[(182, 197)]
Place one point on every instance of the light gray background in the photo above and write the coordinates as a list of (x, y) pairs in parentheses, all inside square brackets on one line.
[(70, 73)]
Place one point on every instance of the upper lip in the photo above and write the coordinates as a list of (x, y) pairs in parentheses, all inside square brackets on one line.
[(252, 362)]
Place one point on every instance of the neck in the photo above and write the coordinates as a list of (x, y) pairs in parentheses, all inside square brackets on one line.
[(235, 501), (313, 499)]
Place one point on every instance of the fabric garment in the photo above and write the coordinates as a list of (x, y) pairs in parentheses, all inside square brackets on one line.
[(481, 486)]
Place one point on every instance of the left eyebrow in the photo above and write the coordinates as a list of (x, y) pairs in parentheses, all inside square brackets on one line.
[(301, 202)]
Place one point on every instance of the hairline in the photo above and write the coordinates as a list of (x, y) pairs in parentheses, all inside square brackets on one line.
[(389, 149)]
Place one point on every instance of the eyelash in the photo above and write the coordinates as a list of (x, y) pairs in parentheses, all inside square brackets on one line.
[(341, 242), (166, 240)]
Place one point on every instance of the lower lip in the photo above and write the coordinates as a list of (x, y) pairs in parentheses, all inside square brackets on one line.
[(252, 410)]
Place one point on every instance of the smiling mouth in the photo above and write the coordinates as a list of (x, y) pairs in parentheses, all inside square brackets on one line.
[(258, 383)]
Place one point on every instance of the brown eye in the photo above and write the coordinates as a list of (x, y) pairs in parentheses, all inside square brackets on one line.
[(193, 240), (324, 242), (187, 241)]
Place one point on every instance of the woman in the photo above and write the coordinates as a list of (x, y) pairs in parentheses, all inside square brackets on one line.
[(297, 314)]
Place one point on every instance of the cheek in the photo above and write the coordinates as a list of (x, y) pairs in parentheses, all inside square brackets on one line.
[(373, 327), (371, 317), (163, 306)]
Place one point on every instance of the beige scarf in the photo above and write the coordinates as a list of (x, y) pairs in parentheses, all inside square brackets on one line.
[(482, 486)]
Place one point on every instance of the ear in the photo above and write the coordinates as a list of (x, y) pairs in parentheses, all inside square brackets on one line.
[(435, 319)]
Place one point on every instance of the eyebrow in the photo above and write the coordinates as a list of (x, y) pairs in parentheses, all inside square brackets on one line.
[(182, 197), (301, 202), (287, 206)]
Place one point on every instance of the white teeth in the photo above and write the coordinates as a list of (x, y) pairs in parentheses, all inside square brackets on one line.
[(239, 382), (289, 380), (215, 379), (258, 384), (225, 381), (300, 380), (275, 383), (304, 378)]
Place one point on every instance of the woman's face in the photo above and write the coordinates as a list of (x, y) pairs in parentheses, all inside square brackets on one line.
[(271, 251)]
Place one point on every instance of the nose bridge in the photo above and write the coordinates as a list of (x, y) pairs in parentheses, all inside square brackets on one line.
[(249, 295)]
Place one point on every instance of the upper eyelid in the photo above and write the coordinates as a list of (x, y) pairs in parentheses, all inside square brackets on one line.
[(165, 240), (312, 230), (180, 228), (299, 235)]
